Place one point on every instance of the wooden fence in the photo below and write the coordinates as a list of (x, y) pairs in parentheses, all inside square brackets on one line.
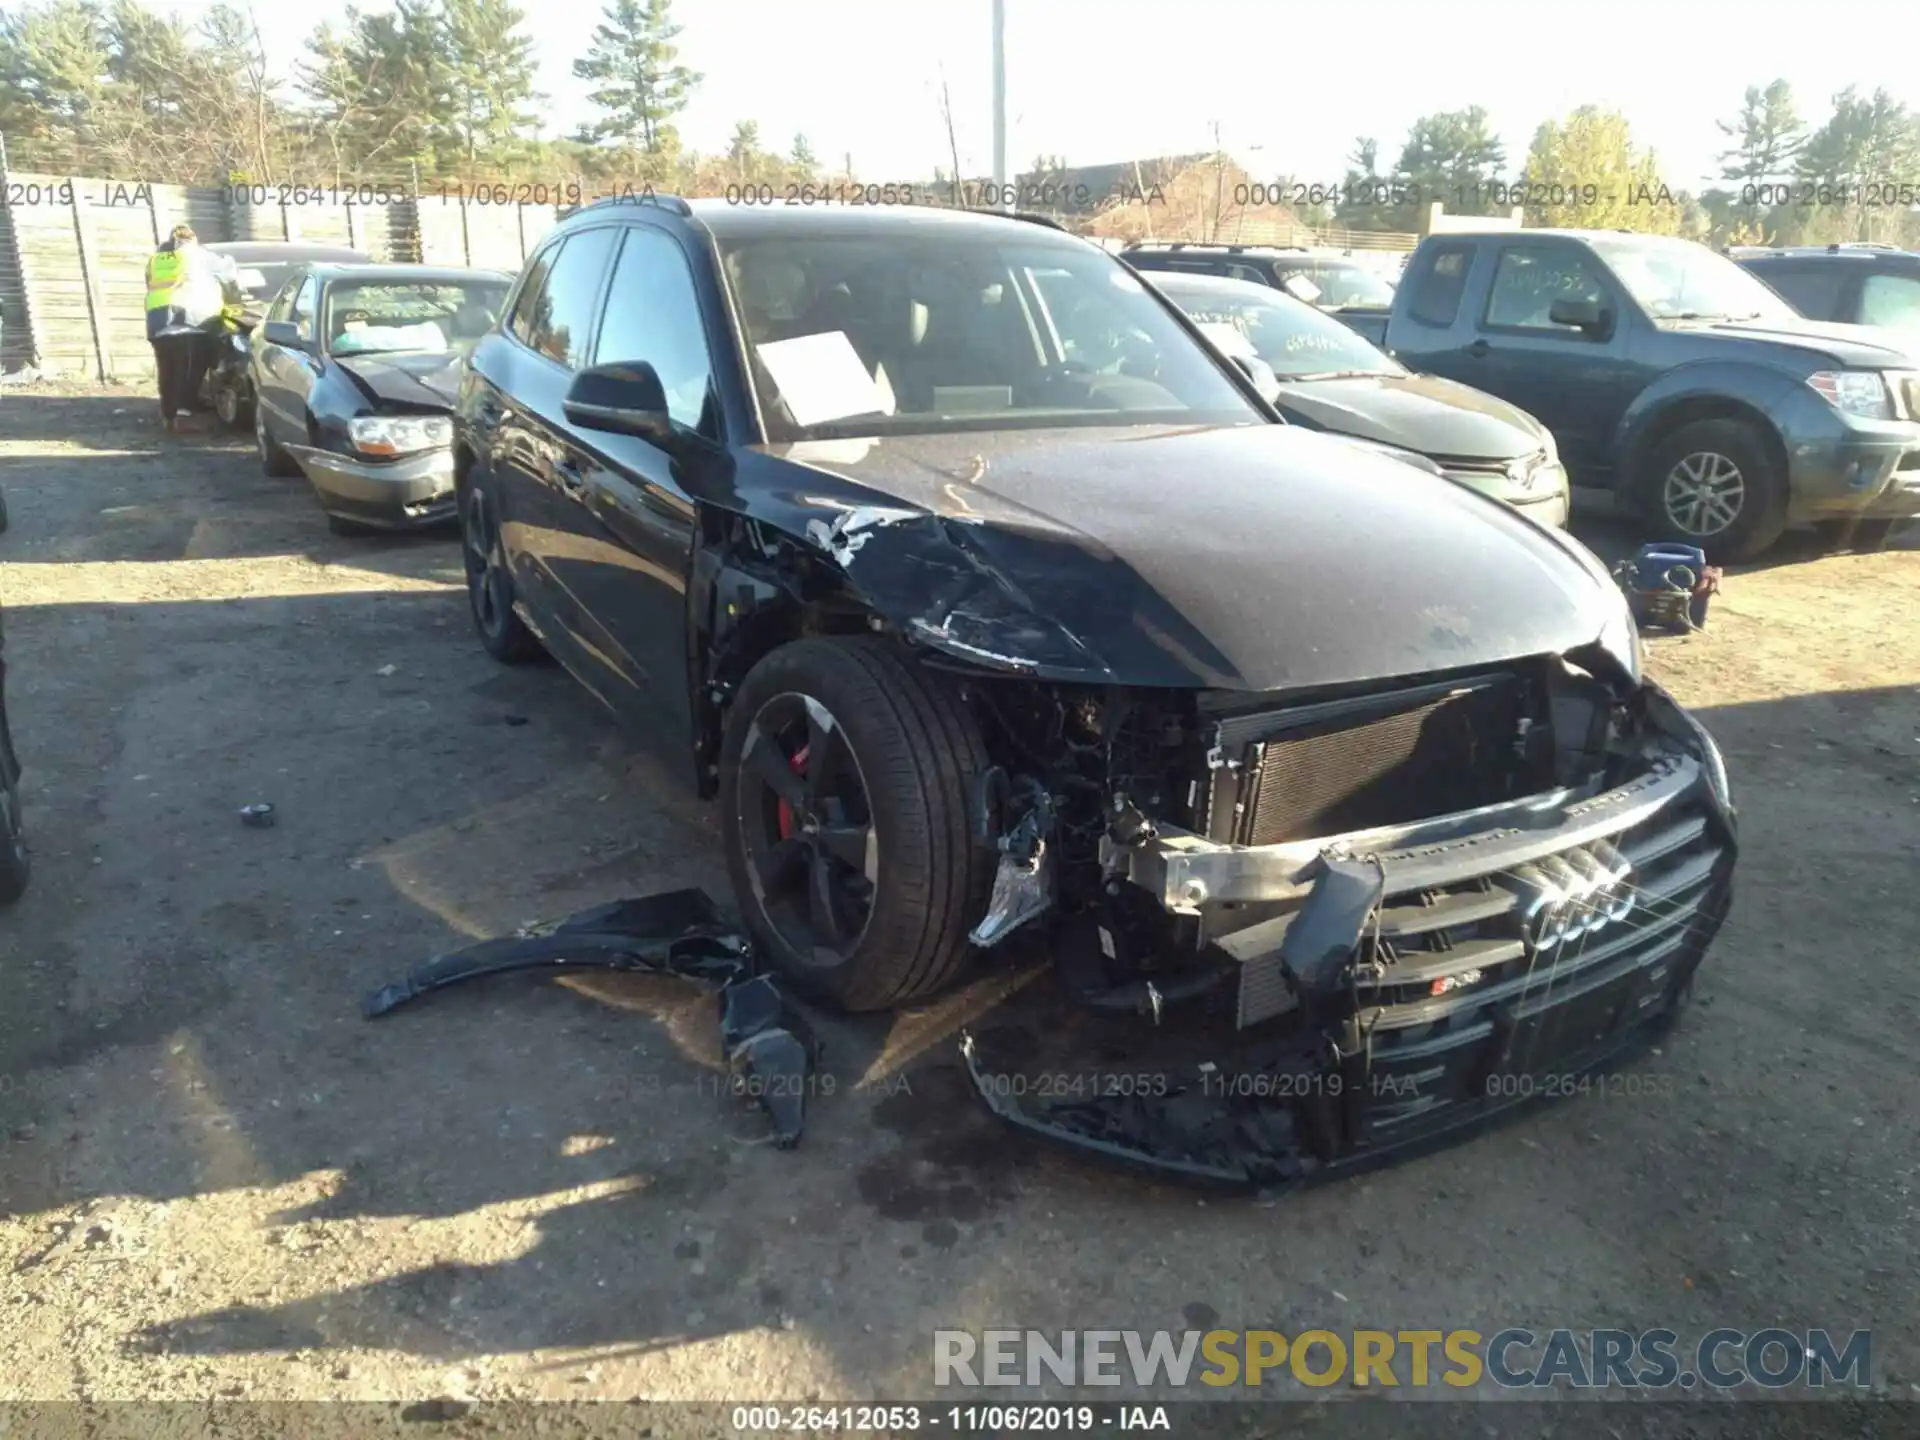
[(73, 253)]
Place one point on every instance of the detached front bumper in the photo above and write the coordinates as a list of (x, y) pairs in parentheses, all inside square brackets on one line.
[(413, 491), (1400, 985)]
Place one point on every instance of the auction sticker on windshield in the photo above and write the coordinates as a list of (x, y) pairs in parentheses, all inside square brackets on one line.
[(820, 378)]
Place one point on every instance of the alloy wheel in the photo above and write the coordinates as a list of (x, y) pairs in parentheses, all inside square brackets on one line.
[(812, 855), (1704, 493), (488, 587)]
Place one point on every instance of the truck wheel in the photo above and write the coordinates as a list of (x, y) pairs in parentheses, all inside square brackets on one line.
[(1865, 537), (845, 772), (1713, 484)]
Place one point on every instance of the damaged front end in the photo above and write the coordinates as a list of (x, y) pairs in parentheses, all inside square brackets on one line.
[(1376, 917)]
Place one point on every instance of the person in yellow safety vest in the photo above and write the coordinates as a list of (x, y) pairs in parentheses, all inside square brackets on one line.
[(192, 295)]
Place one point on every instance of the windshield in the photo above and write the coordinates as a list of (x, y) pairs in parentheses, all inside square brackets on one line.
[(1341, 285), (1297, 340), (366, 317), (867, 334), (1678, 280)]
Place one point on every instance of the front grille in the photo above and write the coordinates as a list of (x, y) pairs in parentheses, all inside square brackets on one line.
[(1429, 756), (1460, 1005), (1442, 954)]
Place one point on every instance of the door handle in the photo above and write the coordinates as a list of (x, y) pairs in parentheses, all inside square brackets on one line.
[(1478, 348)]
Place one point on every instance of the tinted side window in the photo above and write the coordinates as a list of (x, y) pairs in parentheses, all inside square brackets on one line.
[(1434, 293), (560, 325), (653, 314), (1529, 279), (1813, 290), (1891, 300), (522, 322)]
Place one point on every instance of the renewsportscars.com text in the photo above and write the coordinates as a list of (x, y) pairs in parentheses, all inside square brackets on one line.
[(1514, 1358)]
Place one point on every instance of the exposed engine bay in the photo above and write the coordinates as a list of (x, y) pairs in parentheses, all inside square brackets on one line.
[(1397, 901)]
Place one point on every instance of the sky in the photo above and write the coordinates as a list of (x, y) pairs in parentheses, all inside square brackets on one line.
[(1289, 87)]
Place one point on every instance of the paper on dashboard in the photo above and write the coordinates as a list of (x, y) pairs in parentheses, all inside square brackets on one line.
[(820, 378)]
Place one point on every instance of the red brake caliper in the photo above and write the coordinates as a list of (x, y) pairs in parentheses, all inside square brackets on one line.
[(799, 766)]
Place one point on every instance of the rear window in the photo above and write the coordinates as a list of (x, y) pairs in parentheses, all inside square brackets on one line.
[(1437, 284), (1338, 287), (1813, 290)]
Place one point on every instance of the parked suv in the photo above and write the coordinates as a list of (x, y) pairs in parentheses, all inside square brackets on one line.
[(1332, 282), (1672, 377), (1849, 284), (966, 633)]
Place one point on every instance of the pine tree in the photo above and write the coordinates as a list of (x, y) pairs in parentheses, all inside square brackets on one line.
[(53, 60), (637, 82), (486, 78)]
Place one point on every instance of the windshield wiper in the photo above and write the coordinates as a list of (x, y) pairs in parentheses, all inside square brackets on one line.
[(1339, 375)]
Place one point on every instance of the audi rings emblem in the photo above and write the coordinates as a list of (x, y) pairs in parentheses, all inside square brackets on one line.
[(1572, 894)]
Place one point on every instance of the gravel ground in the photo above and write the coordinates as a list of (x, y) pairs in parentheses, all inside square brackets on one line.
[(219, 1181)]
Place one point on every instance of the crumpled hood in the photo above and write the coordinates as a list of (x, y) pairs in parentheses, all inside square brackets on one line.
[(1418, 412), (423, 381), (1259, 557)]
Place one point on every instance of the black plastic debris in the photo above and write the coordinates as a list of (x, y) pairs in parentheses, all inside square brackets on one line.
[(768, 1047), (258, 817)]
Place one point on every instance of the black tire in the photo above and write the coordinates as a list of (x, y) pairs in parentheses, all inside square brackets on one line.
[(14, 865), (912, 750), (274, 460), (1714, 484), (502, 633), (1864, 537), (234, 412)]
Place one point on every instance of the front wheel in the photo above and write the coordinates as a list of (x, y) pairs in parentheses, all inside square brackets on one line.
[(845, 772), (1714, 484), (274, 461), (229, 405)]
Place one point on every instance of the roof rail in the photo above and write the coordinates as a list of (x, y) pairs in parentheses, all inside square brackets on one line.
[(1029, 216), (674, 204)]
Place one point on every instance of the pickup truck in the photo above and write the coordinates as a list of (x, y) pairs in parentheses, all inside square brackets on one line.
[(1672, 378)]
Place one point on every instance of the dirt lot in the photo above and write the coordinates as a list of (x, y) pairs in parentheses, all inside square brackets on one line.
[(219, 1180)]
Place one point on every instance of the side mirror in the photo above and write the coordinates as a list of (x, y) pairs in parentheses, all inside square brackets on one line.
[(625, 398), (1581, 312), (1261, 374), (282, 332)]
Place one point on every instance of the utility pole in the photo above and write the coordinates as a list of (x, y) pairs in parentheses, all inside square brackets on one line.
[(1219, 179), (1000, 105)]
